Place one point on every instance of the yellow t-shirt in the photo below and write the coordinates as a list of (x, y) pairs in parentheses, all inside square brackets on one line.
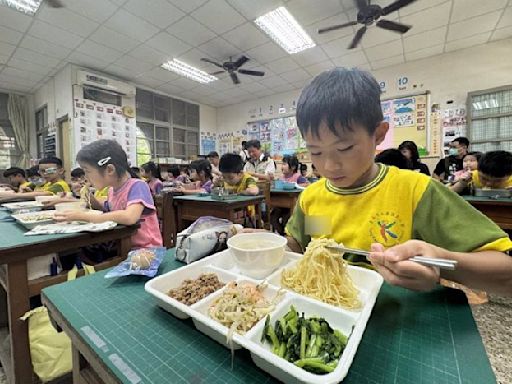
[(101, 192), (398, 205), (58, 187), (477, 183), (245, 182), (27, 184)]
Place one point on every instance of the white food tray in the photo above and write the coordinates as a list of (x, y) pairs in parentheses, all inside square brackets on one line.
[(350, 322), (26, 220), (28, 206)]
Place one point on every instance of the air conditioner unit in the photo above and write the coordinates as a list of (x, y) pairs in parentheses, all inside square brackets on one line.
[(93, 80)]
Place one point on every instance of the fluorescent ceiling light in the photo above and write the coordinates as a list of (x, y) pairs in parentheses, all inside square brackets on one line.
[(282, 27), (186, 70), (26, 6)]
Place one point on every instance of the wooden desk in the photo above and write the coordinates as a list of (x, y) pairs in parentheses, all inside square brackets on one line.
[(282, 198), (190, 208), (120, 335), (498, 210), (15, 250)]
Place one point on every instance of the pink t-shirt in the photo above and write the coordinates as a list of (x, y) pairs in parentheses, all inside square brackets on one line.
[(136, 191), (295, 178), (155, 186)]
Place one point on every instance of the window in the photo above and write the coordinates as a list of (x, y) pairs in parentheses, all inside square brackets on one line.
[(490, 119), (9, 151), (166, 127), (46, 139)]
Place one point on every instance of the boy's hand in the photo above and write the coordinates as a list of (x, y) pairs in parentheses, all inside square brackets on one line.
[(71, 216), (394, 266)]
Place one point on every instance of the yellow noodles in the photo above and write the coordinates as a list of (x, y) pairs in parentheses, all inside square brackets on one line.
[(322, 274)]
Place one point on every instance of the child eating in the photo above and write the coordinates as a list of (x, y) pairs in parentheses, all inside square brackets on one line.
[(201, 176), (234, 179), (394, 213), (129, 199), (151, 173), (17, 179)]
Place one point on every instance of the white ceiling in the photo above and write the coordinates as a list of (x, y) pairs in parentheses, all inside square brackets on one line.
[(131, 38)]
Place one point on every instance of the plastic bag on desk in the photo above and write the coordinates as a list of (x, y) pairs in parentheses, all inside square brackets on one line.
[(206, 236)]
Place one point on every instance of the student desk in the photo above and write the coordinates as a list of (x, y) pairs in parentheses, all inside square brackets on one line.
[(498, 210), (283, 198), (189, 208), (120, 335), (15, 250)]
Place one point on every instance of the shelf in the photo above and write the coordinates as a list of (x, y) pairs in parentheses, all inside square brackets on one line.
[(35, 286)]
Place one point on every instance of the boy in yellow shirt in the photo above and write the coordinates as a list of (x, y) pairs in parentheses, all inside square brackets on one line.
[(494, 172), (18, 179), (234, 179), (394, 213), (51, 170)]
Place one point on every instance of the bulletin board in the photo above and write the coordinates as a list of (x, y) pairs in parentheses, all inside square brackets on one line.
[(409, 119)]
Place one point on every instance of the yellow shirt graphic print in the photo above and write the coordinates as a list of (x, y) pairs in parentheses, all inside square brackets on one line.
[(386, 228)]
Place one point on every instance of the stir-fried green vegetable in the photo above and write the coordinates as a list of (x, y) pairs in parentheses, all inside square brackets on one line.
[(310, 344)]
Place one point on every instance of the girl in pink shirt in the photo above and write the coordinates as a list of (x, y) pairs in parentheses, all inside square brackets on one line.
[(129, 200), (152, 174)]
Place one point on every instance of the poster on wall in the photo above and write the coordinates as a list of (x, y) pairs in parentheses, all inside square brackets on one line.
[(208, 142), (253, 132), (95, 121), (225, 143), (238, 137), (407, 119), (265, 138), (277, 130), (454, 124)]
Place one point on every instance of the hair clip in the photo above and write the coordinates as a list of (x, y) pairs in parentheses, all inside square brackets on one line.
[(104, 161)]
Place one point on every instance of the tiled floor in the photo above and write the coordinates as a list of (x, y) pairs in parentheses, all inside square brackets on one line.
[(494, 321)]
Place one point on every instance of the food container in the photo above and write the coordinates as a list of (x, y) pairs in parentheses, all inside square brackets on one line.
[(285, 185), (351, 323), (493, 193), (23, 206), (33, 219), (257, 254), (70, 206), (42, 199)]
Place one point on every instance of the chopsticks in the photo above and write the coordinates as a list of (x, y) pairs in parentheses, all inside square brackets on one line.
[(446, 264)]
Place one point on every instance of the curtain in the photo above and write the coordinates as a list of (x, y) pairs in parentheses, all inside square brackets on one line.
[(17, 111)]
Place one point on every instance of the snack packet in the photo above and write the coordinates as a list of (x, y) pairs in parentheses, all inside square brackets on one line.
[(142, 261)]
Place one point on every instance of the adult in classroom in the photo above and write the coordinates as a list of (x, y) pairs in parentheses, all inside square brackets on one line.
[(453, 162), (259, 164), (410, 150)]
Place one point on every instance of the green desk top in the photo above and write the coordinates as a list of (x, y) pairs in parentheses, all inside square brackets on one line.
[(237, 199), (280, 190), (13, 234), (487, 199), (416, 338)]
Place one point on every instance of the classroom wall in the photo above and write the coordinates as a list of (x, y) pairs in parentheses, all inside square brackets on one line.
[(449, 76)]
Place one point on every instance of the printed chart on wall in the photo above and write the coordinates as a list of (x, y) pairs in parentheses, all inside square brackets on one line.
[(225, 143), (208, 142), (407, 118), (97, 121)]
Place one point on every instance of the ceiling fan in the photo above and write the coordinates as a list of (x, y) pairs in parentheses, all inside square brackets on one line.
[(368, 14), (233, 67)]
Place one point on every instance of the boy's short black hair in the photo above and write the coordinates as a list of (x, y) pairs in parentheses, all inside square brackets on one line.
[(101, 153), (14, 171), (152, 169), (51, 160), (33, 171), (347, 96), (78, 173), (253, 144), (392, 156), (496, 164), (231, 163), (462, 141), (174, 171), (213, 154)]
